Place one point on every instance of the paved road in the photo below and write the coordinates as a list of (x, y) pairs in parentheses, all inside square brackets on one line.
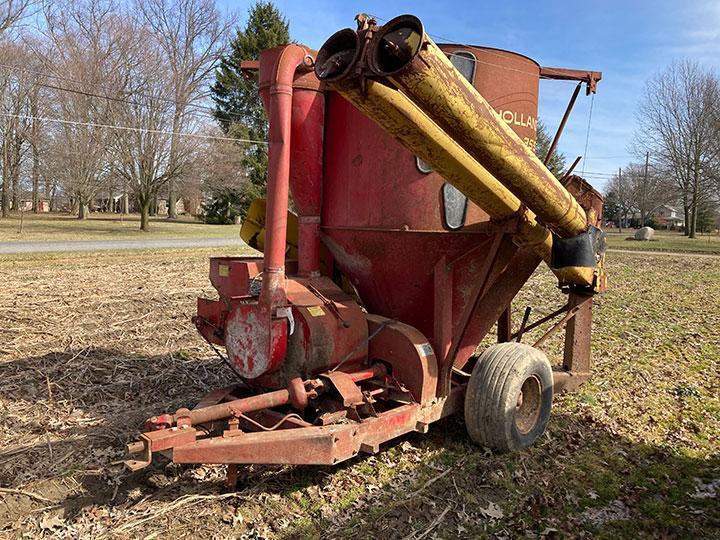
[(7, 248)]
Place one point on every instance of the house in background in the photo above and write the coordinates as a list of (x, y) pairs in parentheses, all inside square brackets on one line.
[(667, 217), (163, 204), (26, 204)]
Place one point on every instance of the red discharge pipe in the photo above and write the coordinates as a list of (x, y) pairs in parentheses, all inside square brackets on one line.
[(281, 94), (306, 168)]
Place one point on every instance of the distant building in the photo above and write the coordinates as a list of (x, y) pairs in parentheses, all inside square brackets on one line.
[(26, 203), (163, 205), (667, 217)]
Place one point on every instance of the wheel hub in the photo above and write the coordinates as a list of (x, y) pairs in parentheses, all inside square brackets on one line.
[(529, 401)]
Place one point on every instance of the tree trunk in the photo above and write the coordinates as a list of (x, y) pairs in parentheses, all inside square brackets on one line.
[(49, 195), (35, 182), (35, 154), (172, 201), (126, 203), (686, 209), (5, 197), (694, 202), (693, 221), (82, 210), (172, 196), (145, 216), (15, 188)]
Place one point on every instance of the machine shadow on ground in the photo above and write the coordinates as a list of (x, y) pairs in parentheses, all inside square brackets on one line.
[(68, 417)]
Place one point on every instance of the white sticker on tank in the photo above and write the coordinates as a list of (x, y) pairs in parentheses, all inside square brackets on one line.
[(425, 349)]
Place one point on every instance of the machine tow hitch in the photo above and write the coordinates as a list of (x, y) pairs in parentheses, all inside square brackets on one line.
[(167, 432)]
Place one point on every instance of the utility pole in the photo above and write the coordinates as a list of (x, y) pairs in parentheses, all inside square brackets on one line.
[(622, 200), (645, 186)]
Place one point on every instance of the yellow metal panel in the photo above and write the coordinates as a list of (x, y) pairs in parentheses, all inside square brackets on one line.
[(252, 230)]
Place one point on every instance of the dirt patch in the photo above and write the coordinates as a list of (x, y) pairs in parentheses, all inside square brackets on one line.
[(91, 346)]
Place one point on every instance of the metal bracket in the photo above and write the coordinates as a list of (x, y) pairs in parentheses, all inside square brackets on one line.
[(139, 447), (350, 393)]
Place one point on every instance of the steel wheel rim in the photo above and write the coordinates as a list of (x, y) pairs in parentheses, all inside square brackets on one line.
[(529, 404)]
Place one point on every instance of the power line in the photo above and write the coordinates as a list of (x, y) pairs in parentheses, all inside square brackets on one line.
[(587, 134), (90, 94), (130, 128), (117, 99), (210, 111), (596, 173)]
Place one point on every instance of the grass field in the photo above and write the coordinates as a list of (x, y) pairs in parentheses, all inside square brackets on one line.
[(90, 346), (58, 227), (664, 241)]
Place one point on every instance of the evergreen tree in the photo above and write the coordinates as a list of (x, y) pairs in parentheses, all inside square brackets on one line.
[(542, 145), (238, 107)]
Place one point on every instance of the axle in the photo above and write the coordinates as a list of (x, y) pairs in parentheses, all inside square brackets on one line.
[(297, 394)]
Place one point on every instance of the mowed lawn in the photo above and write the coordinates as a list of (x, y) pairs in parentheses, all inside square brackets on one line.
[(61, 227), (664, 241), (92, 345)]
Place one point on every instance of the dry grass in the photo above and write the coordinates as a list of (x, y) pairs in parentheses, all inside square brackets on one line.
[(665, 241), (58, 227), (92, 345)]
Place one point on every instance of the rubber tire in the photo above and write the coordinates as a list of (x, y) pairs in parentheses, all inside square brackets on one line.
[(493, 391)]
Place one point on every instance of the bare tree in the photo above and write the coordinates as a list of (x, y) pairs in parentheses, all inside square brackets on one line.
[(91, 42), (15, 90), (13, 11), (192, 35), (648, 189), (143, 152), (619, 194), (103, 97), (37, 100), (676, 127)]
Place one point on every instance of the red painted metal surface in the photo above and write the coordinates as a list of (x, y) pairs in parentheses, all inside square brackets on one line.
[(410, 356), (282, 74), (323, 377), (562, 74), (255, 342), (319, 445), (323, 325), (306, 168), (386, 228)]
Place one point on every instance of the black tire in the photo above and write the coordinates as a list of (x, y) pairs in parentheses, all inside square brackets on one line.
[(509, 397)]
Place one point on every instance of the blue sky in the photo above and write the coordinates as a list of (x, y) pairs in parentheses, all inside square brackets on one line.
[(628, 41)]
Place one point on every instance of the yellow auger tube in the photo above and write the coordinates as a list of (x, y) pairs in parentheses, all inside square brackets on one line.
[(395, 113), (425, 74)]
